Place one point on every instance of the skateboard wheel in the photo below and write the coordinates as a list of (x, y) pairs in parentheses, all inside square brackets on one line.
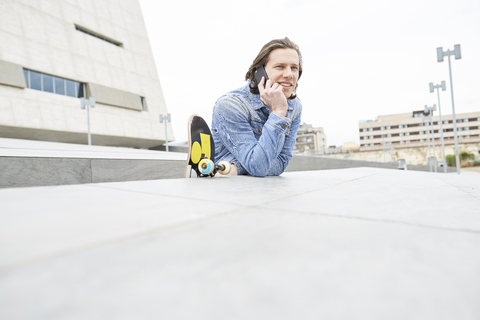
[(205, 166), (225, 167)]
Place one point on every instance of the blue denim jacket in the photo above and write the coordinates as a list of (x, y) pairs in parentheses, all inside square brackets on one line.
[(246, 133)]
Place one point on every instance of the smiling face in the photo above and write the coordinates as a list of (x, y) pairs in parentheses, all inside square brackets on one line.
[(283, 68)]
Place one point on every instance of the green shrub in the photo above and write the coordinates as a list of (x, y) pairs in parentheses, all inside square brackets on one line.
[(451, 160), (464, 156), (476, 163)]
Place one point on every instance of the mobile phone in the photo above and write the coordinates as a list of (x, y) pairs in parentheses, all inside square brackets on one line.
[(259, 73)]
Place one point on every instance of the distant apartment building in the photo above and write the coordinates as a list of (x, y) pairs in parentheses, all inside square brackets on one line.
[(409, 130), (55, 52), (310, 139)]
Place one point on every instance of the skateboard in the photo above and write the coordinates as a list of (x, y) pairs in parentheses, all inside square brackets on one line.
[(201, 151)]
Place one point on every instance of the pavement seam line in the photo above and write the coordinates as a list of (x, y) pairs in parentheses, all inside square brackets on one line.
[(118, 239), (385, 221), (221, 202)]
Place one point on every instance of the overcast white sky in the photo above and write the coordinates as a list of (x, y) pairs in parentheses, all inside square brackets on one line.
[(362, 59)]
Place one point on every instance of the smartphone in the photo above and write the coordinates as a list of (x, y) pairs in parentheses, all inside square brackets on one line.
[(259, 73)]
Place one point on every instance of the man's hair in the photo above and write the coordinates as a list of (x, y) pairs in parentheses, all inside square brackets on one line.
[(264, 56)]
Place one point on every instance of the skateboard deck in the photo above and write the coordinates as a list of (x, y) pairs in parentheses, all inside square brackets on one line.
[(201, 151)]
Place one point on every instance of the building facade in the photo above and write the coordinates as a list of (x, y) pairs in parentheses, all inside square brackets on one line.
[(410, 131), (310, 139), (55, 52)]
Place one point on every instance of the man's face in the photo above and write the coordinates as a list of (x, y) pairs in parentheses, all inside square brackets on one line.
[(282, 68)]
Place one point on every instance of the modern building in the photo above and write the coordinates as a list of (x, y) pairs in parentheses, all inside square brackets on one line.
[(408, 130), (310, 139), (55, 52)]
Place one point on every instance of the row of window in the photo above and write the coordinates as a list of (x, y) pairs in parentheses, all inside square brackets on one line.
[(401, 134), (402, 126), (65, 87), (48, 83), (420, 140)]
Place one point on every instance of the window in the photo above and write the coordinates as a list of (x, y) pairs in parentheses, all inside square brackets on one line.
[(401, 134), (407, 134), (445, 122), (382, 128), (388, 127), (48, 83), (144, 104), (364, 129), (420, 124), (370, 129), (408, 141), (421, 132), (389, 135), (371, 137), (405, 126), (365, 138), (466, 128), (99, 36), (465, 120), (400, 126)]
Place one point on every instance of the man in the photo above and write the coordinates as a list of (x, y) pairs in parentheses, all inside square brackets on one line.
[(255, 128)]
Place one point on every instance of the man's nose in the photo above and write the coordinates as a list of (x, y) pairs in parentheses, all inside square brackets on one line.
[(288, 73)]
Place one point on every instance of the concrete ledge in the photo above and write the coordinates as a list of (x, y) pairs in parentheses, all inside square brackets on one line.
[(114, 97), (30, 172), (307, 163), (11, 74)]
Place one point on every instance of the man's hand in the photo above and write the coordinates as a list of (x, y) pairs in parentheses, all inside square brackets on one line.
[(272, 95)]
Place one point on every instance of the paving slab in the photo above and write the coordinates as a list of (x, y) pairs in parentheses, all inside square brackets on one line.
[(360, 243)]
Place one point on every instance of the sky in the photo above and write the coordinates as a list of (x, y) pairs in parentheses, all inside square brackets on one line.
[(361, 59)]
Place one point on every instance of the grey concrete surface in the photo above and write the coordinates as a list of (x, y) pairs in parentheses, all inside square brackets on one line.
[(307, 163), (27, 163), (359, 243)]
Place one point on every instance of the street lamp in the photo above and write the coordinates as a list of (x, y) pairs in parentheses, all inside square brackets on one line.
[(88, 103), (443, 87), (458, 55), (430, 110), (167, 119), (428, 139)]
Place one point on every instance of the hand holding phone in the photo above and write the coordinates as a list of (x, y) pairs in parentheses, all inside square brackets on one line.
[(259, 73)]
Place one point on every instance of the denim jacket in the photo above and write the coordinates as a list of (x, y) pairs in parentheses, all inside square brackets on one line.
[(246, 133)]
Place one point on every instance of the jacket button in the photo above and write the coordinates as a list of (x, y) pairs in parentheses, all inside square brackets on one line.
[(260, 130), (283, 126)]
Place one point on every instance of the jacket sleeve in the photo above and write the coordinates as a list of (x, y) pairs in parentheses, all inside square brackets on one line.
[(267, 156)]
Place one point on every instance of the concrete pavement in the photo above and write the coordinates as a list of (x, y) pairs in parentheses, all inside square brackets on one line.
[(359, 243)]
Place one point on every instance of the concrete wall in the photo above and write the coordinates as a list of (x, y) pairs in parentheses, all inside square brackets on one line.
[(308, 163), (28, 172), (413, 156)]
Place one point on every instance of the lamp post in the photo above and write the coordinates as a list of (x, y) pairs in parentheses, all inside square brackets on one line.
[(167, 118), (458, 55), (88, 103), (430, 116), (443, 87), (428, 139)]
